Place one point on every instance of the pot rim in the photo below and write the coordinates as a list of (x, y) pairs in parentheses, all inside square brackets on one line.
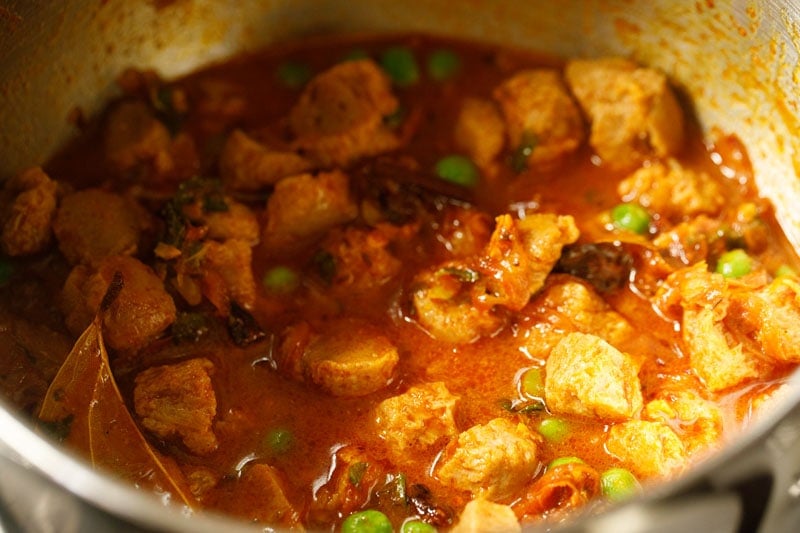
[(108, 493)]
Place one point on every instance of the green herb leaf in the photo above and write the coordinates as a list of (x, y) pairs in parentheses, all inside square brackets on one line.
[(293, 74), (356, 472), (215, 203), (519, 159), (189, 327), (325, 264), (531, 407), (279, 441), (521, 407), (243, 328), (162, 100), (394, 491), (395, 119), (174, 225), (356, 54), (462, 274), (6, 271)]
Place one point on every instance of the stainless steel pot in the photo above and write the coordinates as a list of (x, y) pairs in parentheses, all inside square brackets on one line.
[(737, 60)]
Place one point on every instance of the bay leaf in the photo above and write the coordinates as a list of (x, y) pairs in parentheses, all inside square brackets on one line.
[(85, 406)]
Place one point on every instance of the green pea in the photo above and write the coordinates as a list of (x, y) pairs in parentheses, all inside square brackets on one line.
[(279, 441), (355, 54), (618, 484), (401, 66), (417, 526), (457, 169), (785, 271), (734, 264), (564, 461), (631, 217), (533, 383), (443, 65), (294, 74), (6, 270), (554, 429), (281, 280), (369, 521)]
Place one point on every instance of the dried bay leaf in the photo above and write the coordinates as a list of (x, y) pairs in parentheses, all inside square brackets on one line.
[(86, 406)]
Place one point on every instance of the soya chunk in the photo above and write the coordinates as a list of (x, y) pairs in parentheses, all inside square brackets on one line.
[(633, 112), (646, 448), (697, 421), (232, 261), (689, 241), (362, 259), (672, 191), (27, 227), (464, 231), (340, 115), (417, 419), (713, 360), (482, 516), (30, 356), (454, 301), (450, 317), (704, 299), (774, 313), (567, 304), (92, 224), (540, 112), (305, 206), (493, 461), (178, 401), (480, 131), (352, 358), (587, 311), (140, 313), (247, 165), (134, 136), (561, 489), (520, 255), (545, 235), (587, 376)]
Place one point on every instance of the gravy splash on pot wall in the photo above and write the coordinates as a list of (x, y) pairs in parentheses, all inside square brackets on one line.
[(396, 282)]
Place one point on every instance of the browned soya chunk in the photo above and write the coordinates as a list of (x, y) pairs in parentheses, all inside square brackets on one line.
[(141, 311), (633, 113), (178, 401), (340, 115), (27, 226), (93, 224)]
